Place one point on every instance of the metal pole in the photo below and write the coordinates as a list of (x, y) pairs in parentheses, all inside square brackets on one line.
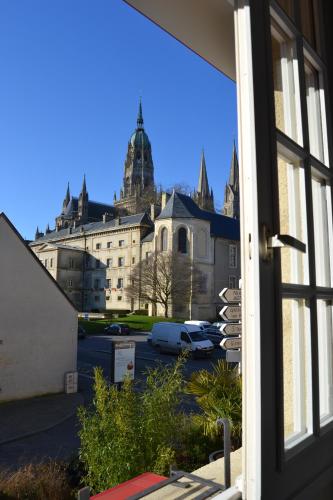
[(227, 446)]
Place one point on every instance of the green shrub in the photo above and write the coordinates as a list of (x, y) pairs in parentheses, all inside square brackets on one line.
[(44, 481), (127, 432), (219, 394)]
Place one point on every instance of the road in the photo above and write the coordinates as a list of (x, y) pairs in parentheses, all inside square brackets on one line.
[(62, 441)]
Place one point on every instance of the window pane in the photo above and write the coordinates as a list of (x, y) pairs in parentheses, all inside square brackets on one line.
[(287, 6), (308, 11), (322, 210), (286, 86), (316, 112), (325, 355), (297, 390), (292, 209)]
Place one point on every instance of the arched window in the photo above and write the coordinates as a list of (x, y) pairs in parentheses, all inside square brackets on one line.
[(182, 240), (164, 239)]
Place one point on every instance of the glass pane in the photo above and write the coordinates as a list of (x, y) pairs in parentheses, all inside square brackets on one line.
[(292, 209), (322, 218), (325, 355), (297, 389), (287, 6), (286, 85), (308, 11), (316, 112)]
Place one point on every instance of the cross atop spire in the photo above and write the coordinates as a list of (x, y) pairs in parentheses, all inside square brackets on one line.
[(139, 120), (203, 187)]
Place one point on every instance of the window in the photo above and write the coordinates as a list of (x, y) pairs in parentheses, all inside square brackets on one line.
[(185, 338), (97, 298), (121, 243), (146, 306), (108, 283), (232, 282), (182, 240), (147, 256), (133, 260), (119, 297), (51, 262), (98, 246), (71, 263), (70, 282), (120, 283), (109, 244), (232, 256), (107, 297), (164, 239), (133, 241), (45, 263), (121, 261), (96, 284), (108, 262)]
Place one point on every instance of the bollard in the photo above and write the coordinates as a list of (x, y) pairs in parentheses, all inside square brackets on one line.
[(227, 446)]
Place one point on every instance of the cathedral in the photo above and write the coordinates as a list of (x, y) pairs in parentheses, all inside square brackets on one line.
[(94, 246)]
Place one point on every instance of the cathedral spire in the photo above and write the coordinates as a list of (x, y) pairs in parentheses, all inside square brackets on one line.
[(234, 171), (84, 187), (68, 195), (139, 120), (203, 187)]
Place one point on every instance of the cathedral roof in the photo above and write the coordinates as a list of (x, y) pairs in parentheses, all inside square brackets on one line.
[(182, 206), (100, 226), (96, 210)]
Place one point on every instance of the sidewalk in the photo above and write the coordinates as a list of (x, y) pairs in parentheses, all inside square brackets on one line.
[(24, 418)]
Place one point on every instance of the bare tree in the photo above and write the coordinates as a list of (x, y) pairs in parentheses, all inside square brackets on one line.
[(165, 278)]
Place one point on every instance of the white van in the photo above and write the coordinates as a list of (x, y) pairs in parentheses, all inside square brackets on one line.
[(201, 324), (176, 337)]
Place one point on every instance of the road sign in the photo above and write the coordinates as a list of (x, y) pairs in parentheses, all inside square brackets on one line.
[(231, 329), (231, 313), (234, 356), (123, 360), (231, 295), (231, 343)]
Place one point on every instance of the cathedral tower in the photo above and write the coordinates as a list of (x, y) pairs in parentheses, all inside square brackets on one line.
[(204, 197), (231, 193), (83, 203), (138, 181)]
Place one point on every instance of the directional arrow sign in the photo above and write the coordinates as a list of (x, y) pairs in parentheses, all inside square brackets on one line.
[(231, 295), (234, 356), (231, 329), (231, 313), (232, 343)]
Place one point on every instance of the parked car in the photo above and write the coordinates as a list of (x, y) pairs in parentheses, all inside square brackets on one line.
[(176, 337), (214, 334), (117, 329), (81, 333)]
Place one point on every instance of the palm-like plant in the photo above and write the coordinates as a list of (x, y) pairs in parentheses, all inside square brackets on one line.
[(219, 395)]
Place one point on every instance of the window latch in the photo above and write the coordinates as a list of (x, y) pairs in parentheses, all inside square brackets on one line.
[(268, 242), (285, 240)]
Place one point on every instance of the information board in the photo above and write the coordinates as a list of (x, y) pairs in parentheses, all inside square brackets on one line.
[(123, 361)]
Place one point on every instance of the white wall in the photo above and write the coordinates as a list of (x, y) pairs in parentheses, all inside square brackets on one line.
[(38, 326)]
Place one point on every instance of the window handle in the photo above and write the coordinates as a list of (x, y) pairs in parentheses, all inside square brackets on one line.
[(268, 242), (285, 240)]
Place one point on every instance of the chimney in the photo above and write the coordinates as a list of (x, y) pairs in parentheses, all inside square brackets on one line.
[(153, 211), (106, 217), (164, 199), (117, 221)]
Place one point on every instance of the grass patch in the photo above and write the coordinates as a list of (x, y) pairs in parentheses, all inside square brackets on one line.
[(135, 322)]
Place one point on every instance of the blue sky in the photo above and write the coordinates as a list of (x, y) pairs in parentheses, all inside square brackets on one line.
[(72, 72)]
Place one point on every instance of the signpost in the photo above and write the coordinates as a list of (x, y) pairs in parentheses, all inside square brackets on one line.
[(232, 314), (231, 343), (122, 361), (231, 295), (231, 329)]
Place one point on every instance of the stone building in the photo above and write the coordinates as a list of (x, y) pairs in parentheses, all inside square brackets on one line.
[(94, 247)]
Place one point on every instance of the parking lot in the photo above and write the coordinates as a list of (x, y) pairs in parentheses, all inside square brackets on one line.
[(96, 350)]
